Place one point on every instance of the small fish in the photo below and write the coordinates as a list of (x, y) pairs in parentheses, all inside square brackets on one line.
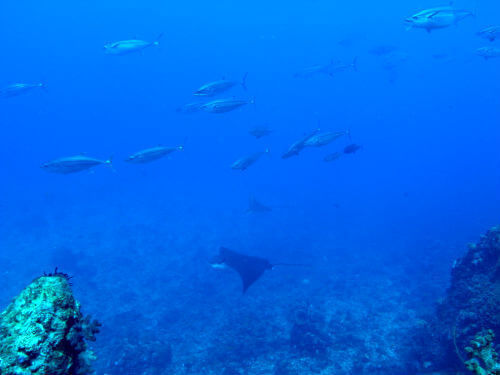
[(218, 87), (189, 108), (437, 18), (490, 33), (260, 131), (225, 105), (332, 157), (73, 164), (351, 149), (244, 163), (324, 139), (488, 52), (19, 89), (330, 69), (254, 206), (151, 154), (298, 146), (383, 50), (124, 47)]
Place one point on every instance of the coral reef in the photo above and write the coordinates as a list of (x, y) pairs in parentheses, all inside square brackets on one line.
[(483, 357), (472, 301), (43, 331)]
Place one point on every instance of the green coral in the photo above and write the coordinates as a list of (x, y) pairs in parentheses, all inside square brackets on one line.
[(483, 357), (43, 331)]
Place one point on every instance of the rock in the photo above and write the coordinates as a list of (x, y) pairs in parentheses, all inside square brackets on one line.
[(43, 331)]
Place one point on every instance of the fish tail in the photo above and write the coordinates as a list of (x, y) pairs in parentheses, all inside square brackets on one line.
[(244, 81), (348, 133)]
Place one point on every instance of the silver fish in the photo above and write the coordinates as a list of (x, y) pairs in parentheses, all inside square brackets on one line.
[(324, 139), (19, 89), (73, 164), (490, 33), (218, 87), (488, 52), (151, 154), (330, 69), (225, 105), (298, 146), (437, 18), (244, 163), (124, 47)]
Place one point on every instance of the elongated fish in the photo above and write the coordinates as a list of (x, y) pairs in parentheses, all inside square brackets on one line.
[(218, 87), (298, 146), (324, 139), (330, 69), (19, 89), (151, 154), (437, 18), (490, 33), (124, 47), (225, 105), (244, 163), (488, 52), (73, 164)]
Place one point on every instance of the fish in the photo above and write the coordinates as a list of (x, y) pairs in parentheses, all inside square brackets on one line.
[(332, 157), (324, 139), (73, 164), (330, 69), (298, 146), (151, 154), (125, 47), (490, 33), (189, 108), (351, 149), (249, 268), (260, 131), (225, 105), (383, 50), (244, 163), (19, 89), (437, 18), (218, 87), (254, 206), (488, 52)]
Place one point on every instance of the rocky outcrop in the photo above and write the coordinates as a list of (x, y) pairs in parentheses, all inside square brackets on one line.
[(43, 331), (472, 302)]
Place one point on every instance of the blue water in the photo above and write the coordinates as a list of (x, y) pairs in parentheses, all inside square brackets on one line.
[(380, 228)]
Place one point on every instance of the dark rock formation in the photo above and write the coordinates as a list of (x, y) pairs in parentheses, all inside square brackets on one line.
[(43, 331)]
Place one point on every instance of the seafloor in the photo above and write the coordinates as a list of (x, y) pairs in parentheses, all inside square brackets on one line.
[(165, 311)]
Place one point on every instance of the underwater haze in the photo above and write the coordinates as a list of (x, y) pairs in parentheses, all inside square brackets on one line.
[(368, 224)]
